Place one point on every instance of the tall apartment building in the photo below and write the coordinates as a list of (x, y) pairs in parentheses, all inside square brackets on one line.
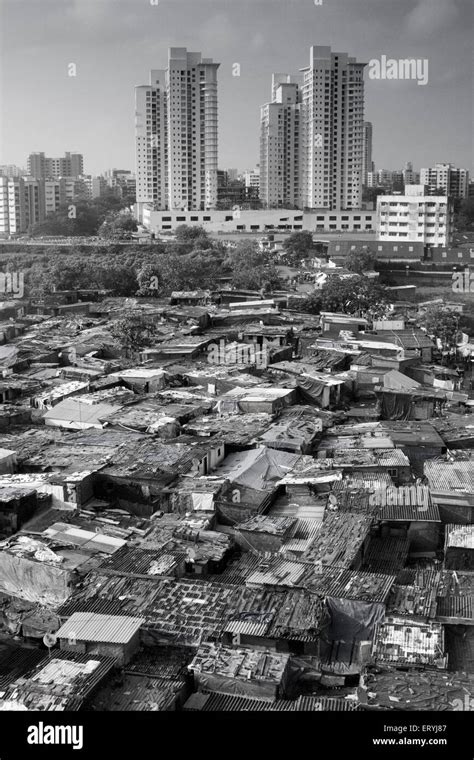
[(252, 178), (367, 163), (415, 217), (11, 170), (176, 134), (122, 181), (280, 144), (410, 177), (40, 166), (315, 158), (452, 181)]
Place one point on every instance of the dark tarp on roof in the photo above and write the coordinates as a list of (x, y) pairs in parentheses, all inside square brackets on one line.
[(311, 390)]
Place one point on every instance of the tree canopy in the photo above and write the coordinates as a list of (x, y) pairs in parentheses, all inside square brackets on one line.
[(251, 268), (444, 325), (297, 246), (360, 260), (351, 295)]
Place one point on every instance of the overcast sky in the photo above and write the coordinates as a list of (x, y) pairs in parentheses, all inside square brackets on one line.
[(114, 44)]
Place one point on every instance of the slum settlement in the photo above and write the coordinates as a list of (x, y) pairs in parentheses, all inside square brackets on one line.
[(261, 510)]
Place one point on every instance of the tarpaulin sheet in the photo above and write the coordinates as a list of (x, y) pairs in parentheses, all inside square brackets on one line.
[(352, 625), (303, 676), (203, 501), (228, 406), (396, 406), (236, 687), (37, 623), (8, 355), (311, 390), (352, 620), (33, 581)]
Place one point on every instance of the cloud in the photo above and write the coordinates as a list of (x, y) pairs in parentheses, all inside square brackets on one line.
[(429, 17)]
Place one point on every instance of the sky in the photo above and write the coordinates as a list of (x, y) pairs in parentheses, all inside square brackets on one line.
[(114, 44)]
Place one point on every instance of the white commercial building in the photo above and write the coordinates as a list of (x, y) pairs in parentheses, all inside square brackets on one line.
[(262, 220), (176, 134), (415, 217), (312, 135)]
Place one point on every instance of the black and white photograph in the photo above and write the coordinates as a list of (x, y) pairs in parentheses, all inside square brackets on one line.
[(236, 377)]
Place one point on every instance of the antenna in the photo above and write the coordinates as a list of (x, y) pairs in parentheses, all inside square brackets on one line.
[(49, 640)]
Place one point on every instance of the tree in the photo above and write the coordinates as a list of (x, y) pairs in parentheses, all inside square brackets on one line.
[(351, 295), (75, 218), (443, 325), (298, 246), (252, 269), (313, 304), (150, 281), (464, 216), (117, 226), (133, 332), (189, 238), (360, 260)]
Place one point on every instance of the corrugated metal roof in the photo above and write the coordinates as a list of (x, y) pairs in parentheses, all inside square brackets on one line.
[(414, 599), (110, 629), (249, 627), (386, 554), (339, 539), (349, 584), (457, 608), (456, 477), (217, 702), (326, 704)]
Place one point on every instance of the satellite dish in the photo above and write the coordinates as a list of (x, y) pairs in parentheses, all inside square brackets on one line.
[(49, 640), (190, 555)]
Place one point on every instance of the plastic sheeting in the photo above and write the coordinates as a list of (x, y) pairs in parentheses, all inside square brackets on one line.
[(396, 406), (203, 502), (236, 687), (352, 620), (304, 675), (312, 391), (33, 581), (352, 624), (228, 406)]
